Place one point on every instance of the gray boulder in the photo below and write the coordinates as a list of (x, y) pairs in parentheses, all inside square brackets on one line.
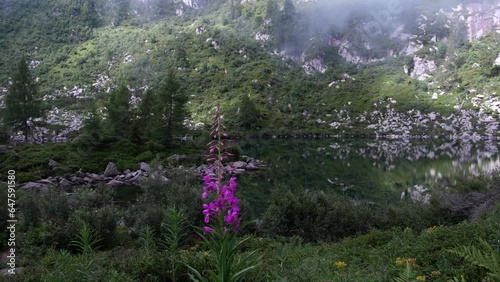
[(239, 165), (96, 177), (111, 170), (159, 177), (115, 182), (53, 164), (176, 160), (144, 166), (64, 183), (30, 186)]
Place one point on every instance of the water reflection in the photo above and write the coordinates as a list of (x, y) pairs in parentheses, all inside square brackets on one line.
[(370, 169), (453, 159)]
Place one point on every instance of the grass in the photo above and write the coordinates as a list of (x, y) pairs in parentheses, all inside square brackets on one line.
[(376, 256)]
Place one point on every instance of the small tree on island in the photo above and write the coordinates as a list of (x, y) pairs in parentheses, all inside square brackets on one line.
[(21, 103)]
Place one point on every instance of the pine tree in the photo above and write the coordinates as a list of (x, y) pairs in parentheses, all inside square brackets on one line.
[(92, 126), (248, 116), (89, 15), (119, 112), (273, 14), (288, 24), (170, 109), (141, 126), (122, 11), (21, 103), (282, 26), (288, 9)]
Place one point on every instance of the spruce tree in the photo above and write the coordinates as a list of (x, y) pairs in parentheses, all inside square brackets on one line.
[(119, 115), (92, 126), (142, 124), (248, 115), (21, 103), (170, 109)]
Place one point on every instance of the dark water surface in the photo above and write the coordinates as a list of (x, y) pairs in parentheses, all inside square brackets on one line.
[(369, 169)]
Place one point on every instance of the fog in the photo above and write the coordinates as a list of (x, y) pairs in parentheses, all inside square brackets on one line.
[(327, 14)]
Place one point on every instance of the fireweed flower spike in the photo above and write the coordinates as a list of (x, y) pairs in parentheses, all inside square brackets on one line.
[(222, 215), (225, 208)]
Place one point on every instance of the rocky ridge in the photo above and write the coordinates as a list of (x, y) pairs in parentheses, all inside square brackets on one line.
[(112, 177)]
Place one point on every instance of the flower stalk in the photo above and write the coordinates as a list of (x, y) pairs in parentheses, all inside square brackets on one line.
[(221, 215), (224, 209)]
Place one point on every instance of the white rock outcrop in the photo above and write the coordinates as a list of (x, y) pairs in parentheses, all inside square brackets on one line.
[(422, 68)]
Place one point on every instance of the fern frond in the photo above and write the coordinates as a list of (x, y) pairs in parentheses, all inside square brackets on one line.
[(147, 239), (87, 240), (457, 279), (176, 229), (405, 276), (488, 259)]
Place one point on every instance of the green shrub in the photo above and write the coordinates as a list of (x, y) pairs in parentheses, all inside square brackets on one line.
[(325, 216), (103, 220), (145, 156), (95, 207), (180, 191), (315, 216), (22, 177), (143, 214), (44, 207), (51, 219), (473, 196), (62, 266)]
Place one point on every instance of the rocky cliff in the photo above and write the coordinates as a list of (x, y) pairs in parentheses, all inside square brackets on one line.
[(478, 18)]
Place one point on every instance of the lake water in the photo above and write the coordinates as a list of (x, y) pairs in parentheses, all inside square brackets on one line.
[(373, 170)]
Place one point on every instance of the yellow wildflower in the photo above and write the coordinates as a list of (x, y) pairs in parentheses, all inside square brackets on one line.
[(340, 264), (411, 261), (431, 229), (420, 278), (403, 261), (435, 273)]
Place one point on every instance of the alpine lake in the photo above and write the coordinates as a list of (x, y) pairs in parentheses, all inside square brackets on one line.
[(375, 170)]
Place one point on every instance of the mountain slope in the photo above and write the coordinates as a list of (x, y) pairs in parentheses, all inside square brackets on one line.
[(304, 73)]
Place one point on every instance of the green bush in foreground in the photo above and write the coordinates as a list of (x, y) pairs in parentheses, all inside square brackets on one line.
[(375, 256), (324, 216), (410, 241)]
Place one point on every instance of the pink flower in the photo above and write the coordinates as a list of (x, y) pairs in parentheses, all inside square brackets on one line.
[(226, 201)]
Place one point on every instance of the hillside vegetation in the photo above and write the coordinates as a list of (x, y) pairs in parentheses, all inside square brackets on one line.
[(96, 46), (135, 86)]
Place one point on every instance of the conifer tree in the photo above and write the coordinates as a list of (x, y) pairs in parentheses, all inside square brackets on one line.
[(89, 14), (170, 109), (141, 126), (161, 113), (119, 115), (21, 103), (92, 126), (248, 116)]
